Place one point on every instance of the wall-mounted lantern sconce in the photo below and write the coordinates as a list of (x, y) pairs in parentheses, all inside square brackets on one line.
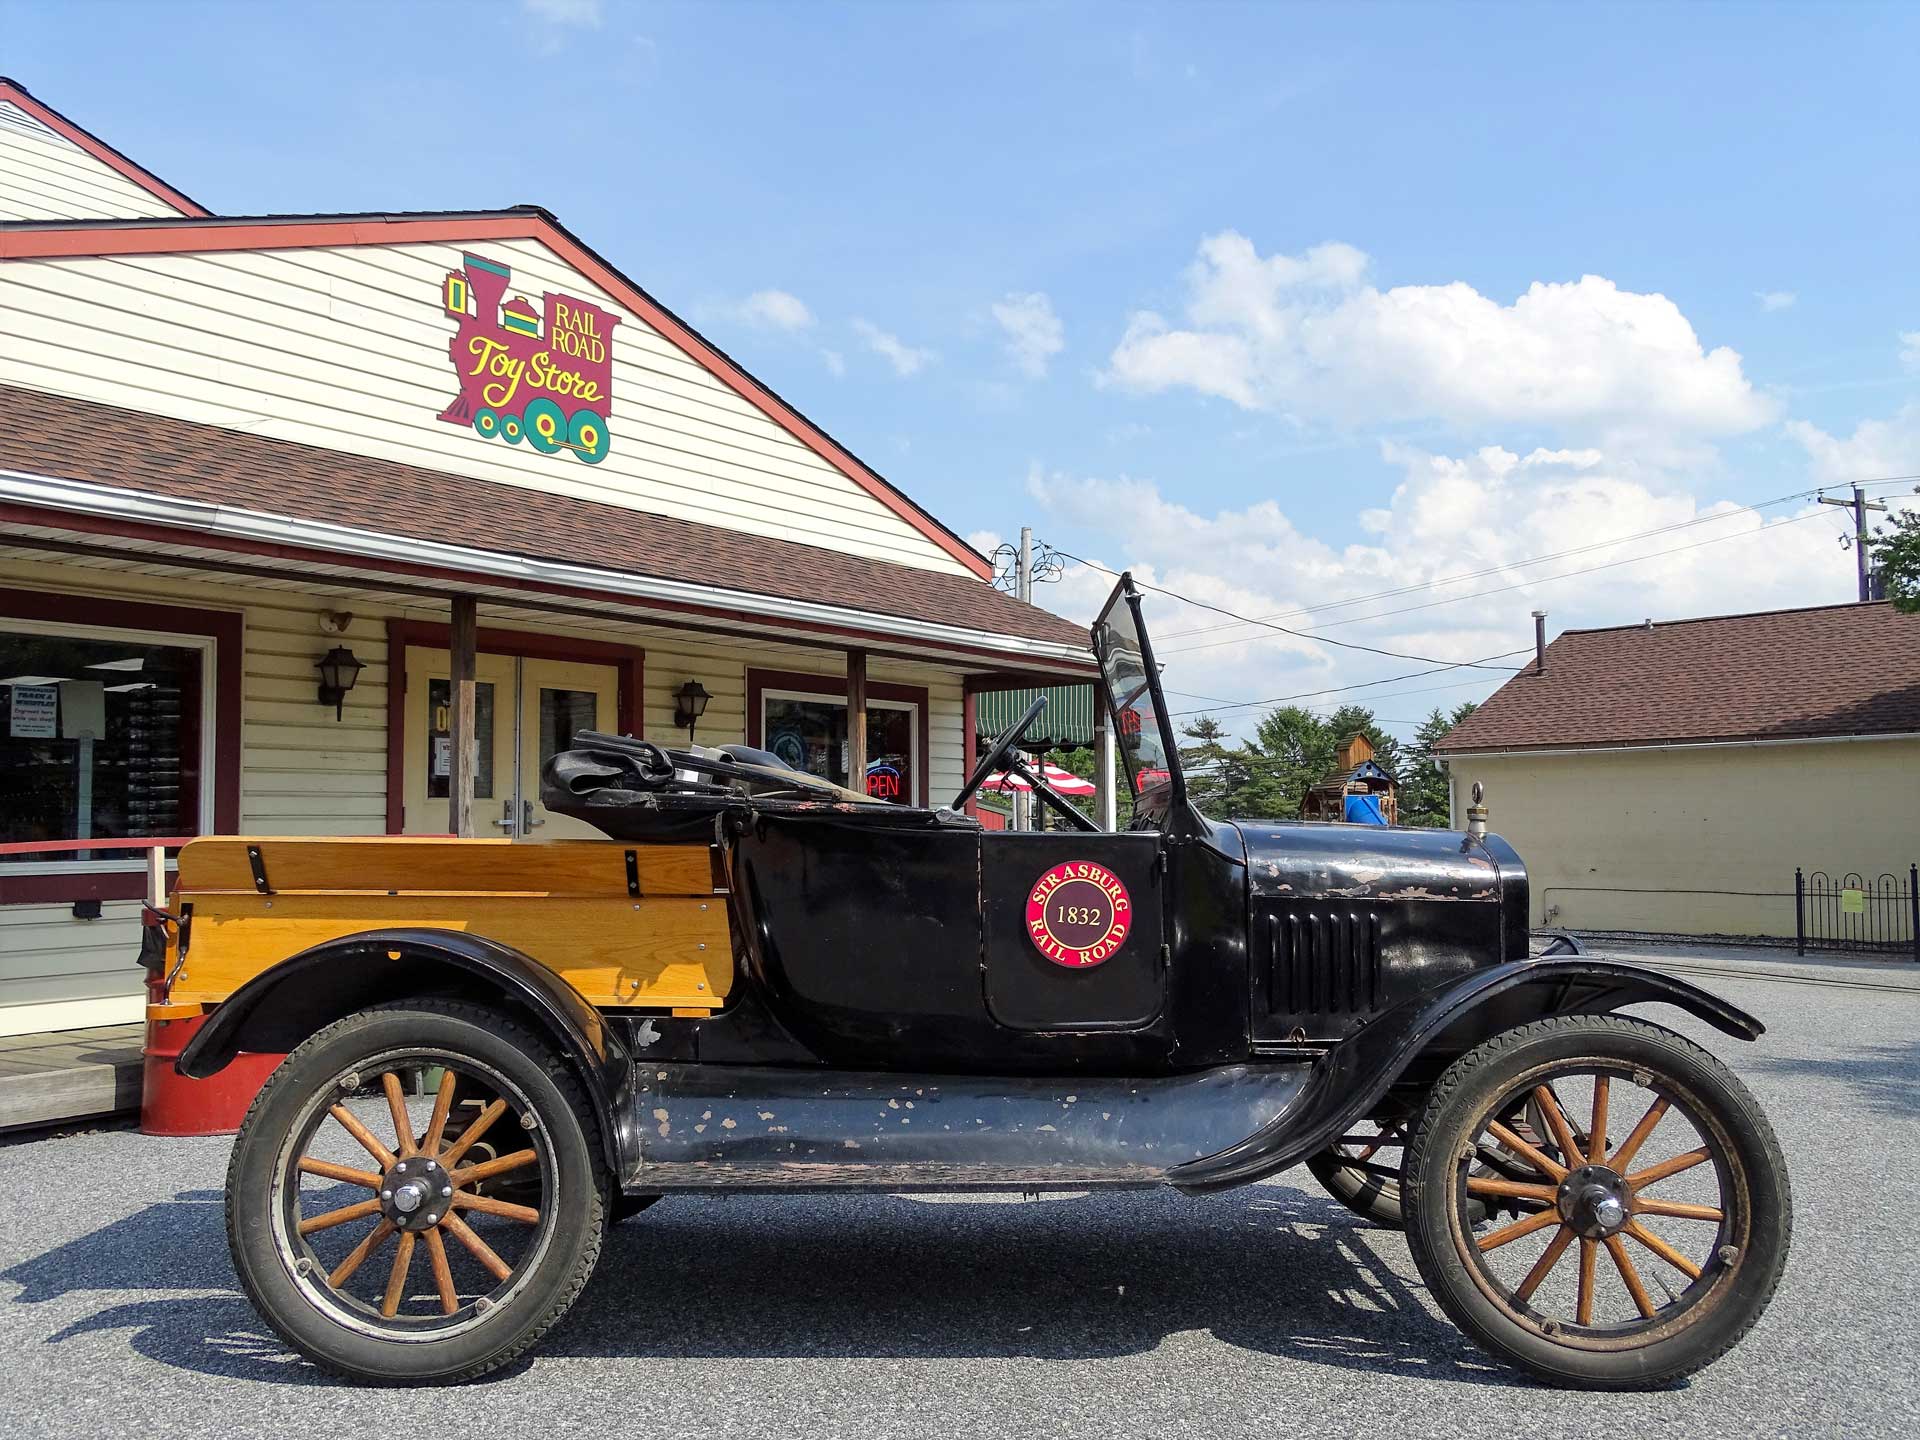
[(339, 669), (689, 704)]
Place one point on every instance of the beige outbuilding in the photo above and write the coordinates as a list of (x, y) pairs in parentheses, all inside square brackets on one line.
[(1672, 777)]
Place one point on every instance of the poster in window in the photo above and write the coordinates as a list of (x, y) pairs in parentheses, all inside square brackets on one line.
[(35, 708)]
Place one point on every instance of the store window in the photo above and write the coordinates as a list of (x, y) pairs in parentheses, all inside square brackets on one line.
[(104, 735), (809, 732)]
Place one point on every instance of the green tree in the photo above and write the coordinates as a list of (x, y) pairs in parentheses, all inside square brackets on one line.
[(1296, 749), (1895, 548), (1210, 767), (1423, 785)]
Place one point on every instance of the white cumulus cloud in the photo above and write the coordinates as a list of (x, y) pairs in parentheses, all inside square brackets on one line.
[(774, 310), (1876, 450), (1771, 300), (1910, 349), (905, 359), (1309, 336), (1450, 544), (1034, 332)]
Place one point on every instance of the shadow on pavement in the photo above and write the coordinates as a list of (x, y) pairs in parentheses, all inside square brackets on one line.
[(1269, 1269), (1885, 1077)]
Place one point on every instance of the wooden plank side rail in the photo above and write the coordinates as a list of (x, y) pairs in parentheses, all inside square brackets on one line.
[(435, 865), (647, 932)]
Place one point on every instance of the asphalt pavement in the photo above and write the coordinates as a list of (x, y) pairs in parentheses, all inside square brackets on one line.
[(1264, 1311)]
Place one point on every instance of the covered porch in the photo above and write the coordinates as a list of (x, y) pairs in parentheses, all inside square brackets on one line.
[(254, 667)]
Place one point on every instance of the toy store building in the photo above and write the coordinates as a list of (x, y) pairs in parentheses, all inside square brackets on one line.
[(274, 490)]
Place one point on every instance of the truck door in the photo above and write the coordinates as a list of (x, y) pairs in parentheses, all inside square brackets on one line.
[(1074, 929)]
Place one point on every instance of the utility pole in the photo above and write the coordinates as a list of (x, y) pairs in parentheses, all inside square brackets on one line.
[(1860, 505), (1023, 589)]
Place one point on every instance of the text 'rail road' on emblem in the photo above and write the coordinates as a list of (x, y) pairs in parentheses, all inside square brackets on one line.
[(1078, 914)]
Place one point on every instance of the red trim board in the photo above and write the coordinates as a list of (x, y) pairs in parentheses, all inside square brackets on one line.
[(100, 150)]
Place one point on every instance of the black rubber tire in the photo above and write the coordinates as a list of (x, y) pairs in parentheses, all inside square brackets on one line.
[(1477, 1081), (1371, 1197), (557, 1275)]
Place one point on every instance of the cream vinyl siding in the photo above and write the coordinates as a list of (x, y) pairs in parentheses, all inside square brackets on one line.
[(59, 973), (301, 771), (1679, 841), (45, 176), (348, 349)]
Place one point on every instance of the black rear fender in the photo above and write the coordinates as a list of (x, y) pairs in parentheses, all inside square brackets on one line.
[(1410, 1046), (281, 1007)]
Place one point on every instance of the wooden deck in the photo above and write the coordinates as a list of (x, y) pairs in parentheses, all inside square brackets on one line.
[(64, 1075)]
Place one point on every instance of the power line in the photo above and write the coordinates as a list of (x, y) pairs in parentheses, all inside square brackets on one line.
[(1754, 508), (1504, 589), (1300, 634), (1361, 685)]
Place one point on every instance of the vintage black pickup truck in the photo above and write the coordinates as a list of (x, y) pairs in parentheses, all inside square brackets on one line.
[(759, 982)]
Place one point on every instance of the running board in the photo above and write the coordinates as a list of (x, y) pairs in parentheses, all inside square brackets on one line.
[(706, 1127)]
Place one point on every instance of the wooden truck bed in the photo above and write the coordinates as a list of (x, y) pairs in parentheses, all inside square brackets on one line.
[(629, 926)]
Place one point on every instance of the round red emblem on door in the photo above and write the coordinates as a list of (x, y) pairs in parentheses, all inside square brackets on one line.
[(1078, 914)]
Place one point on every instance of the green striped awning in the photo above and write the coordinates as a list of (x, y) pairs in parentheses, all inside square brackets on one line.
[(1066, 723)]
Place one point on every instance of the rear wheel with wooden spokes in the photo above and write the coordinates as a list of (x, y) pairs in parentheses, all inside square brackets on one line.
[(1362, 1170), (1629, 1232), (416, 1195)]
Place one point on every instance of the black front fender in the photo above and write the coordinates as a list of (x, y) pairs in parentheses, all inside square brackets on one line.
[(281, 1007), (1428, 1033)]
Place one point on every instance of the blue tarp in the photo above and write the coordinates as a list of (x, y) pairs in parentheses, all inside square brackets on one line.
[(1365, 810)]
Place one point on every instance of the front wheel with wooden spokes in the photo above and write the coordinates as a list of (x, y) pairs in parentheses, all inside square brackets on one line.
[(1626, 1236), (416, 1195)]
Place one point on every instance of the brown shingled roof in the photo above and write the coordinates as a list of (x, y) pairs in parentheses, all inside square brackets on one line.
[(77, 440), (1780, 674)]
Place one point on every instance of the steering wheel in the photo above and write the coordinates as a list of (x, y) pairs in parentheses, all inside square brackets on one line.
[(998, 752), (1004, 752)]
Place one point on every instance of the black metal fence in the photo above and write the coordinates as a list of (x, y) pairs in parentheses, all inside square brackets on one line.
[(1849, 912)]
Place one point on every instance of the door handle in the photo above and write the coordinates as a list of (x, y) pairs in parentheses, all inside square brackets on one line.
[(527, 822), (505, 822)]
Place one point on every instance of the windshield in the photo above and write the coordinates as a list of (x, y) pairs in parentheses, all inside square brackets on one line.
[(1125, 656)]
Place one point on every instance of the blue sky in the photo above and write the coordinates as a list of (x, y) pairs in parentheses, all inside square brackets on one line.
[(1241, 296)]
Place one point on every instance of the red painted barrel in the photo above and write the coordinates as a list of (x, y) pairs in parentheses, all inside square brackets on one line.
[(170, 1103)]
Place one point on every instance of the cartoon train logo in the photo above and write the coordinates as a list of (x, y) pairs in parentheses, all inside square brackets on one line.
[(543, 374)]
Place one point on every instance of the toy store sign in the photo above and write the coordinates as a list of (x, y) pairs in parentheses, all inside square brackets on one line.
[(542, 374)]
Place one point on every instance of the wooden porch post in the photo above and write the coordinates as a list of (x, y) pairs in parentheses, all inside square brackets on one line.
[(1105, 807), (463, 762), (969, 743), (857, 721)]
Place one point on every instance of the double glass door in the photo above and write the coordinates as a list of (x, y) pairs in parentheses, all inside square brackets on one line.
[(526, 710)]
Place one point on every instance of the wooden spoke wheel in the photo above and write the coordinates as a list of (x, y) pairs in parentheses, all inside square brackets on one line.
[(401, 1235), (1362, 1170), (368, 1197), (1628, 1235)]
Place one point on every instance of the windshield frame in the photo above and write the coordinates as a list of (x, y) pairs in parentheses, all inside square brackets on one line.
[(1125, 591)]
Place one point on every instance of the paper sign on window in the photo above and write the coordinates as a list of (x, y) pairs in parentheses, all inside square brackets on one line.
[(35, 711)]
